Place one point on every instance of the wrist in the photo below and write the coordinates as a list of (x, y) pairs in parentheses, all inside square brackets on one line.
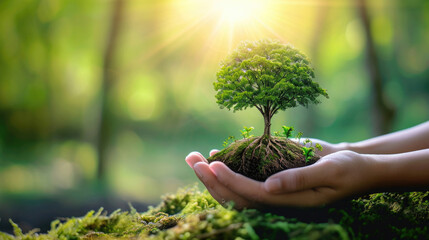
[(343, 146), (355, 147), (381, 173), (399, 172), (373, 173)]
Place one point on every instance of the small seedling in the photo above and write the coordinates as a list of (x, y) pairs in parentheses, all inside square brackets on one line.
[(299, 135), (287, 131), (226, 142), (308, 153), (246, 132), (307, 141)]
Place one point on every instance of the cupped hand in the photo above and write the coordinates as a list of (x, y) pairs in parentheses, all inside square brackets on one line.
[(333, 177)]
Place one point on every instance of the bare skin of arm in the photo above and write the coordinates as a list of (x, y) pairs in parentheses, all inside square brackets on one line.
[(407, 140), (333, 177)]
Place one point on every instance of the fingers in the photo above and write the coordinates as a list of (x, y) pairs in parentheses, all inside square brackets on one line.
[(217, 190), (298, 179), (255, 192), (193, 158), (246, 187), (213, 152)]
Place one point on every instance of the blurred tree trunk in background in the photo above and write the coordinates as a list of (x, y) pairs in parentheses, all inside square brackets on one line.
[(383, 112), (106, 120)]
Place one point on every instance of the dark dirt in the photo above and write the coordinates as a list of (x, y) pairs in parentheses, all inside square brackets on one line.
[(261, 157)]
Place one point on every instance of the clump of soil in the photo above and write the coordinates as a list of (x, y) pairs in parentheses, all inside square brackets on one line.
[(260, 157)]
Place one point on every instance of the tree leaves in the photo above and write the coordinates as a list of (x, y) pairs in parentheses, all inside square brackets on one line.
[(267, 75)]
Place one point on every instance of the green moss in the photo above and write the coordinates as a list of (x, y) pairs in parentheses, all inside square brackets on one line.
[(191, 214), (388, 216)]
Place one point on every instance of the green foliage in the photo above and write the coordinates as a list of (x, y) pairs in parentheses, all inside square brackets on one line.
[(287, 131), (245, 133), (266, 74), (308, 149), (227, 141), (308, 153), (299, 135), (16, 230)]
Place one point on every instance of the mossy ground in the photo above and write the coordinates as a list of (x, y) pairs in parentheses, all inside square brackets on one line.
[(191, 214), (244, 157)]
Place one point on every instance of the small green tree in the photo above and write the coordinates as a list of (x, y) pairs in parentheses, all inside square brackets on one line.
[(267, 75)]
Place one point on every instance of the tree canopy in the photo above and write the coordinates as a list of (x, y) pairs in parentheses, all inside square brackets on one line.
[(268, 75)]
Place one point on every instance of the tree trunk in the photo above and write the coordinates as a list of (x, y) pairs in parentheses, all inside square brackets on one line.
[(383, 111), (106, 121), (267, 124)]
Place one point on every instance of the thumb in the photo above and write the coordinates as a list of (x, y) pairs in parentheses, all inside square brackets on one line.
[(297, 179)]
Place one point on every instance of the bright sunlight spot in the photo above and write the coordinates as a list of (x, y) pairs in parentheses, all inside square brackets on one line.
[(215, 27), (237, 11)]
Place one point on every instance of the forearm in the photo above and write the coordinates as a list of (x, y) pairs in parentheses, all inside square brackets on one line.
[(407, 140), (406, 171)]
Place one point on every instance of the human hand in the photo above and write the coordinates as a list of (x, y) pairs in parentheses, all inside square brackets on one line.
[(333, 177)]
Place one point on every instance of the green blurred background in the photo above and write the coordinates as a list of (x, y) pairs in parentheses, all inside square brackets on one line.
[(105, 98)]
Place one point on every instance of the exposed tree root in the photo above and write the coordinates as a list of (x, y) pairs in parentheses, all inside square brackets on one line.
[(261, 157), (266, 150)]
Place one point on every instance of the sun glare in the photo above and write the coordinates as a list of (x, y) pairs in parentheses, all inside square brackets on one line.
[(212, 28), (238, 11)]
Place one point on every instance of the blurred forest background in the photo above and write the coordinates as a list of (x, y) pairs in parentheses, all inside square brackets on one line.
[(103, 99)]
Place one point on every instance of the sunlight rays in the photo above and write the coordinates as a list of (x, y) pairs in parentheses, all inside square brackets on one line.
[(212, 28)]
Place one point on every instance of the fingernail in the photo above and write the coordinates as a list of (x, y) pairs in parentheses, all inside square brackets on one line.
[(191, 154), (273, 185), (213, 168), (190, 161)]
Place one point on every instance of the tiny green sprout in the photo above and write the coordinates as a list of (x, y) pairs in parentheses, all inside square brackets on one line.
[(246, 132), (277, 134), (307, 141), (226, 142), (287, 131), (299, 135), (308, 153), (319, 147)]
